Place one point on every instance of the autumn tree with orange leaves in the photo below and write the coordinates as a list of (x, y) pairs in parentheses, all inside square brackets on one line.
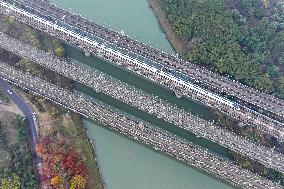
[(63, 166)]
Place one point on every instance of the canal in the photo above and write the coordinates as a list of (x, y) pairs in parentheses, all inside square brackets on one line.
[(124, 163)]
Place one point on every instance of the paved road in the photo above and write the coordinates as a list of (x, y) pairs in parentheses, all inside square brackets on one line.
[(28, 113)]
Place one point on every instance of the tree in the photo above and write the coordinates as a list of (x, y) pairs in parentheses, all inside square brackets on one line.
[(281, 59), (265, 2), (12, 182), (60, 161), (78, 182), (59, 51), (264, 83), (259, 13), (273, 71), (55, 180), (280, 87)]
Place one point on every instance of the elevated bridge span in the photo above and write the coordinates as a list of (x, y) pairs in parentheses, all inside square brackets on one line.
[(202, 76), (160, 76), (139, 131), (153, 105)]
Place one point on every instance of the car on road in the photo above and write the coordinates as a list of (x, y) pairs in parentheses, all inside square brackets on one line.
[(10, 92)]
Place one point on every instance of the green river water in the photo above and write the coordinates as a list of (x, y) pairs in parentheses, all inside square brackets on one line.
[(124, 163)]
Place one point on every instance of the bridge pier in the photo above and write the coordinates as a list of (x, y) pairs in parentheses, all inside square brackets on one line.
[(87, 53), (281, 137), (241, 124), (178, 95)]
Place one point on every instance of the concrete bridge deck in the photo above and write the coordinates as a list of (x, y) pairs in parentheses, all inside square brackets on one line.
[(153, 105), (206, 78), (244, 114), (139, 131)]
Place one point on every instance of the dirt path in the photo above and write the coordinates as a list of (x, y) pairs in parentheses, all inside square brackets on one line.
[(11, 108)]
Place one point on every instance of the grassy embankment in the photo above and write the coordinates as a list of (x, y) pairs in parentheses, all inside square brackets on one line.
[(78, 132)]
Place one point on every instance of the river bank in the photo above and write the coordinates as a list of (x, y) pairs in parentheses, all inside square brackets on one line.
[(178, 44), (204, 52)]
